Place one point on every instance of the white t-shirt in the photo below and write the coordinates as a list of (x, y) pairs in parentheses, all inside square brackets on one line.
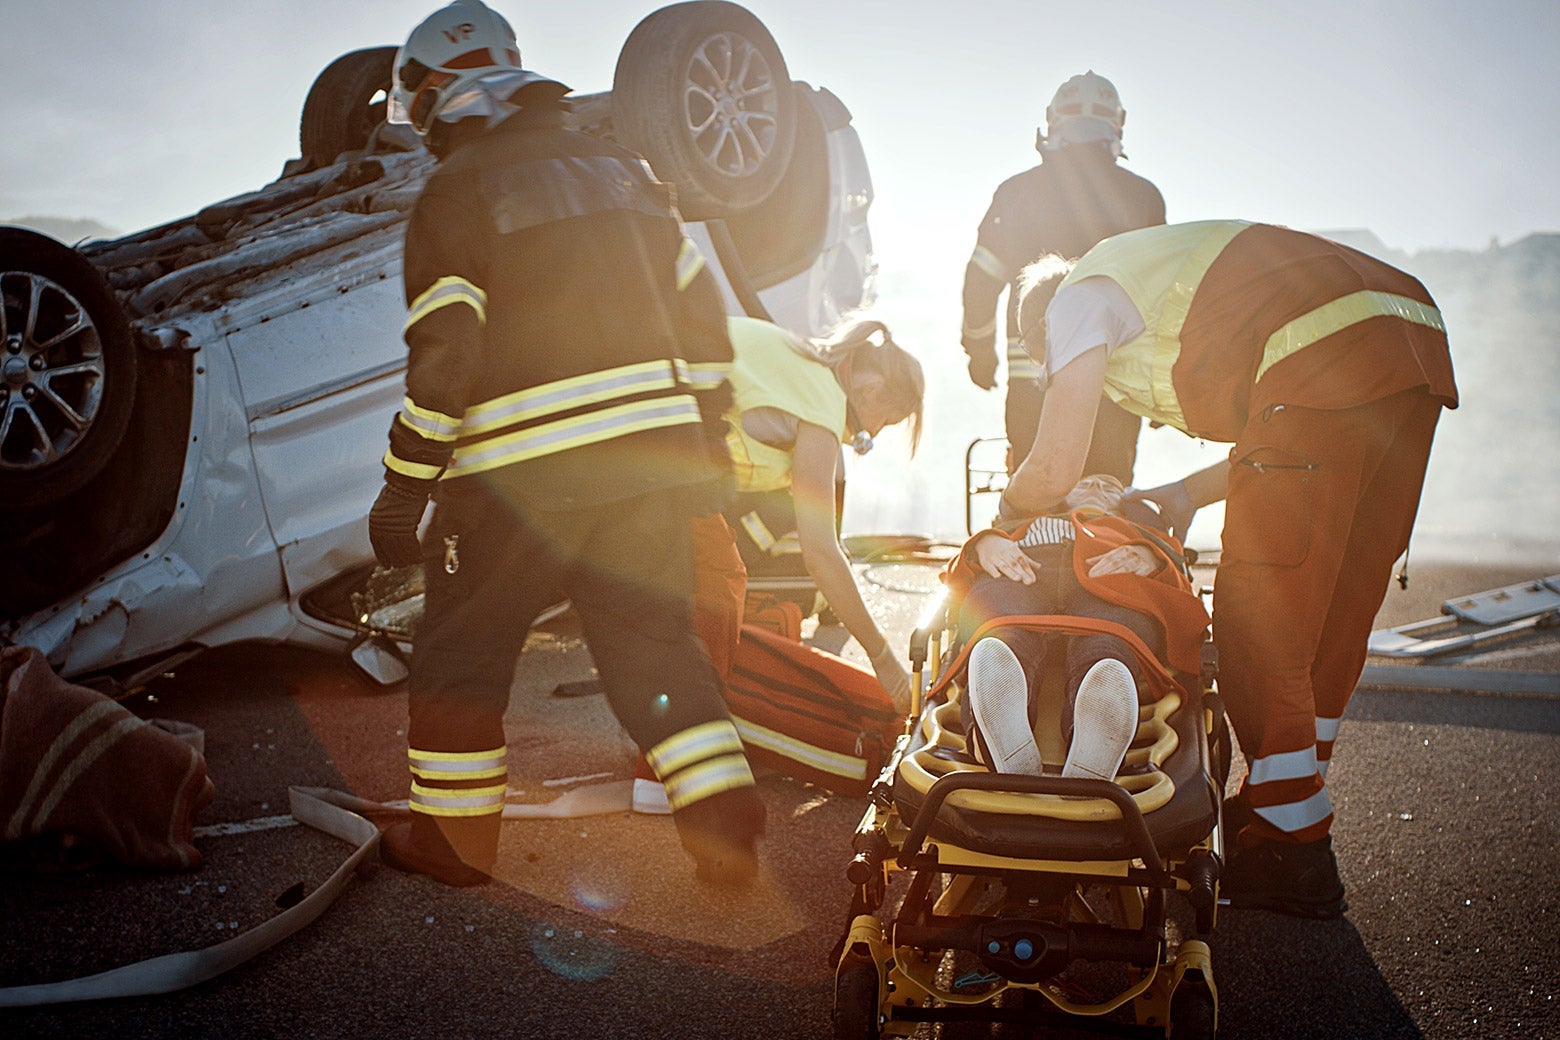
[(1086, 314)]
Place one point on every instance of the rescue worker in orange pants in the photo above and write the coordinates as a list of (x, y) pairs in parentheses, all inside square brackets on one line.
[(1077, 196), (795, 402), (1327, 369), (567, 373)]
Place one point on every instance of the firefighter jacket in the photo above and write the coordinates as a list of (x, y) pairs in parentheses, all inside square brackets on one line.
[(1073, 199), (1166, 595), (1242, 317), (564, 335), (769, 372)]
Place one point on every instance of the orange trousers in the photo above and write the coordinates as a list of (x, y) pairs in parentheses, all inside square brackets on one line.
[(1320, 505), (719, 590)]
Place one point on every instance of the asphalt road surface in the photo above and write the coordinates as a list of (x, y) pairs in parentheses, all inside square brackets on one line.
[(1446, 838)]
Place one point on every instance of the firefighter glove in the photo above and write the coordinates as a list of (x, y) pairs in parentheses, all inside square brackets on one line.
[(983, 368), (393, 523)]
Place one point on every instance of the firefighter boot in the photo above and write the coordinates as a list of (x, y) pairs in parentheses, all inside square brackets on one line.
[(1298, 880), (420, 846), (721, 833)]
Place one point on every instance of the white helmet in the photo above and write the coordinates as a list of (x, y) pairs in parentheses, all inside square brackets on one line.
[(1086, 108), (452, 49)]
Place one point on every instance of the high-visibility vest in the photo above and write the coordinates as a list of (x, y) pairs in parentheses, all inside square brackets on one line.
[(768, 372), (1239, 315)]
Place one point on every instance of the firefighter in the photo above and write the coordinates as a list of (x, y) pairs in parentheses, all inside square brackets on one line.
[(795, 403), (567, 370), (1077, 196), (1327, 369)]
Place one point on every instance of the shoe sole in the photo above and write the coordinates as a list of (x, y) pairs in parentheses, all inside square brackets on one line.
[(650, 797), (1105, 718), (999, 696)]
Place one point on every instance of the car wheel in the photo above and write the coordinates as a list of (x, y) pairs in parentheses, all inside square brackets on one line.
[(345, 104), (67, 370), (702, 92)]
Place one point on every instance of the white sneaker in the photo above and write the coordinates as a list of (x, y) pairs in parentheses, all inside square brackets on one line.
[(649, 792), (1105, 717), (999, 697)]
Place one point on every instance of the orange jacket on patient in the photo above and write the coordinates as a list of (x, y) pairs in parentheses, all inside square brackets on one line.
[(1165, 595)]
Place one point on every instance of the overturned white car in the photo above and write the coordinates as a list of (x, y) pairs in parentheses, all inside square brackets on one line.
[(192, 417)]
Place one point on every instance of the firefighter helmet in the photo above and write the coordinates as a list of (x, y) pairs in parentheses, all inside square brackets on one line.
[(1086, 108), (452, 49)]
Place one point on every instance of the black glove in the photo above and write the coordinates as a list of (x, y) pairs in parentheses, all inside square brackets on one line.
[(983, 368), (392, 526)]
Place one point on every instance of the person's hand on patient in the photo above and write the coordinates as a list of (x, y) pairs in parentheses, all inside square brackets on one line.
[(1002, 558), (1124, 559)]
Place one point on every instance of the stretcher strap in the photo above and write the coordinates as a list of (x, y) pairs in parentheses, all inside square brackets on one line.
[(1158, 677)]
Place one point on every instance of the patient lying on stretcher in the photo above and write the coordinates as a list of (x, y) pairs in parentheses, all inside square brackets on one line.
[(1083, 559)]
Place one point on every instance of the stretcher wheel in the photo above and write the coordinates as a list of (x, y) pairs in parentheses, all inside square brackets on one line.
[(856, 1000), (1192, 1013)]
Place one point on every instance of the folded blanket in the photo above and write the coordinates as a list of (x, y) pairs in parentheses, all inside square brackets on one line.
[(73, 762)]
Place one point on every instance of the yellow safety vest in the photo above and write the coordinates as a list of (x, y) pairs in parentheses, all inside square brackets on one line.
[(1162, 268), (768, 372)]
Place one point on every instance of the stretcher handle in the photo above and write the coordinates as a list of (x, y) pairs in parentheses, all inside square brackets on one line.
[(1022, 783)]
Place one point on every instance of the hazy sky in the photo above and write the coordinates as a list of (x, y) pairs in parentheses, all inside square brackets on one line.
[(1432, 122)]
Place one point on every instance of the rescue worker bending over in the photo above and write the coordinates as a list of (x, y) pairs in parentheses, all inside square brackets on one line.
[(567, 348), (1082, 558), (1328, 369), (1077, 196), (795, 403)]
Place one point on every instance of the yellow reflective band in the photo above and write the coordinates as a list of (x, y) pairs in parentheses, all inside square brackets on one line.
[(435, 426), (444, 292), (707, 779), (1022, 368), (707, 740), (457, 765), (987, 261), (989, 329), (756, 529), (689, 263), (471, 801), (704, 375), (562, 395), (415, 470), (1340, 314), (576, 432), (799, 751)]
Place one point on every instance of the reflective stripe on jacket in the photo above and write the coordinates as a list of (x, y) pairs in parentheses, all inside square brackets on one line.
[(563, 332)]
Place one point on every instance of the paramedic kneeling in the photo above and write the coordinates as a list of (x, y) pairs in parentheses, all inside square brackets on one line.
[(1080, 559), (1327, 369)]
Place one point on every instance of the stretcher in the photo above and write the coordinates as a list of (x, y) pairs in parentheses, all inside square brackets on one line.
[(1470, 621), (1039, 900)]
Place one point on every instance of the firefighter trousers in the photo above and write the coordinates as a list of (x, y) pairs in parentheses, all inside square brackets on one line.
[(1320, 505), (492, 567)]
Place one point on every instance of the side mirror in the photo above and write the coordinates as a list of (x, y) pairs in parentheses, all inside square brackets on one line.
[(380, 660)]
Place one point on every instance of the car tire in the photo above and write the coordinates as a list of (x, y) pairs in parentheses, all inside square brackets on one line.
[(702, 91), (67, 370), (345, 104)]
